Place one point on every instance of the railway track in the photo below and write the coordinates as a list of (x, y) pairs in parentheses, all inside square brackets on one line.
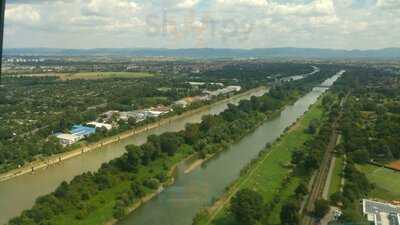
[(322, 173)]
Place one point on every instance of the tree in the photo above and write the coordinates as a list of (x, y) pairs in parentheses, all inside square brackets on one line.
[(138, 190), (297, 156), (131, 121), (301, 190), (321, 208), (131, 160), (247, 207), (5, 134), (313, 126), (289, 213), (360, 156), (62, 190), (191, 133), (169, 143)]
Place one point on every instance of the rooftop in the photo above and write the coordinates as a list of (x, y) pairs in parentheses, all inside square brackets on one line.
[(80, 130)]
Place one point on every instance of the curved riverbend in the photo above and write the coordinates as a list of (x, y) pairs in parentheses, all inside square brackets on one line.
[(178, 204), (20, 193)]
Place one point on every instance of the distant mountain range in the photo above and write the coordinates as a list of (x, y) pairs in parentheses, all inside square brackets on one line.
[(304, 53)]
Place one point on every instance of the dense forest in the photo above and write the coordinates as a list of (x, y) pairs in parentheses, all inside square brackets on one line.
[(142, 169)]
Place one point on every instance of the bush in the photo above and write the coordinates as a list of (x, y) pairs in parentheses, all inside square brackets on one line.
[(247, 207), (153, 183), (321, 208)]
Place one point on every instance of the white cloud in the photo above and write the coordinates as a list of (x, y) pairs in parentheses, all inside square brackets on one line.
[(22, 14), (187, 4), (264, 23), (109, 7), (388, 4), (317, 7), (258, 3)]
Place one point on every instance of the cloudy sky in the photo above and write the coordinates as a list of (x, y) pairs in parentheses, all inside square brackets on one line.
[(342, 24)]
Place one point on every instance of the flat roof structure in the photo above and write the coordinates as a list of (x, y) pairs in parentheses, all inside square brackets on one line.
[(82, 131), (381, 213)]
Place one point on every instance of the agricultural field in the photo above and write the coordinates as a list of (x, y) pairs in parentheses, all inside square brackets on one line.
[(104, 75), (386, 181)]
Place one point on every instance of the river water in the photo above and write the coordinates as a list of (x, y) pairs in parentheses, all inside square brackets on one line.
[(179, 203), (20, 193)]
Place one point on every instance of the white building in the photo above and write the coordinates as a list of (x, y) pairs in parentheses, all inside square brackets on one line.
[(159, 110), (381, 213), (100, 125), (223, 91), (67, 139)]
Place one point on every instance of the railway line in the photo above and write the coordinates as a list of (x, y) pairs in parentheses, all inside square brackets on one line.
[(322, 173)]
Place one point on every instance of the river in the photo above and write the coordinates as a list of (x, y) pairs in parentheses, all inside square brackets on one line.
[(20, 193), (179, 203)]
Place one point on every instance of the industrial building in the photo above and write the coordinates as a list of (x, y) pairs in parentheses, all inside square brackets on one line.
[(67, 139), (381, 213), (100, 125), (77, 133)]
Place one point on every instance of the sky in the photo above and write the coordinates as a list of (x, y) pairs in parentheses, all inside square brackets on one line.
[(337, 24)]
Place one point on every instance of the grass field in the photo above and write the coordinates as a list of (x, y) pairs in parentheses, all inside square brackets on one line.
[(104, 75), (336, 176), (267, 175), (387, 181)]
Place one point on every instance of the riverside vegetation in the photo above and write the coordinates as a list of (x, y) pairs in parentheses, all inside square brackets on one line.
[(272, 187), (108, 194)]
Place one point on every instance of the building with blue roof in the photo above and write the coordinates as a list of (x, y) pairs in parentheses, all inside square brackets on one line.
[(82, 131)]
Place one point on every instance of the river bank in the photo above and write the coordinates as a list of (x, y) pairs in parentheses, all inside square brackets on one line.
[(193, 163), (59, 158), (179, 203), (268, 164)]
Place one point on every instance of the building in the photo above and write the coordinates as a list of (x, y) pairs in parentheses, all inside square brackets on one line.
[(381, 213), (158, 110), (100, 125), (109, 114), (184, 102), (82, 131), (138, 115), (67, 139), (223, 91)]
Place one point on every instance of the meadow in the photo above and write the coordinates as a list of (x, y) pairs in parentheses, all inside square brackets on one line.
[(386, 181)]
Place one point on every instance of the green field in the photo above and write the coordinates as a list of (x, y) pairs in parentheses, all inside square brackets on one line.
[(267, 175), (387, 181), (103, 75), (336, 176)]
